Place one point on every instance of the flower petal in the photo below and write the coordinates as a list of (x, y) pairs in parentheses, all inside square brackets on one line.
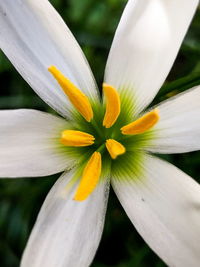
[(178, 129), (163, 204), (145, 46), (67, 232), (29, 144), (33, 36)]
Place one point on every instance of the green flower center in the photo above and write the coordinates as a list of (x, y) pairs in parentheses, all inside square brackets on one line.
[(102, 134)]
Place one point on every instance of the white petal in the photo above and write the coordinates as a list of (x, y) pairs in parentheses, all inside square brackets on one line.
[(67, 232), (29, 144), (178, 129), (164, 205), (33, 36), (145, 46)]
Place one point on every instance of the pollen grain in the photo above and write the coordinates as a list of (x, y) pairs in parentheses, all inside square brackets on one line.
[(142, 124), (76, 97), (114, 148), (112, 105), (76, 138), (90, 177)]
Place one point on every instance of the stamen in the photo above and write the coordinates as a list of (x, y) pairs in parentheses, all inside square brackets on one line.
[(115, 148), (142, 124), (76, 138), (89, 178), (77, 98), (112, 105)]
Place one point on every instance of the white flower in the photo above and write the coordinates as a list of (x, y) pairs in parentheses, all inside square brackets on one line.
[(161, 201)]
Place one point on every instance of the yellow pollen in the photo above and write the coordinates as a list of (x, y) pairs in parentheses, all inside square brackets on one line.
[(77, 98), (114, 148), (142, 124), (89, 178), (76, 138), (112, 105)]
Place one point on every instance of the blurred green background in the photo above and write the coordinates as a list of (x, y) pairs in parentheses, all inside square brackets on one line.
[(93, 23)]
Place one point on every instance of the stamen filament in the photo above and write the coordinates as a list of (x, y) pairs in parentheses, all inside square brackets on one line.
[(142, 124), (112, 105), (90, 177), (115, 148), (76, 138), (77, 98)]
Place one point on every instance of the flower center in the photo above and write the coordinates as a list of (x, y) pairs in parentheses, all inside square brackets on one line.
[(99, 134)]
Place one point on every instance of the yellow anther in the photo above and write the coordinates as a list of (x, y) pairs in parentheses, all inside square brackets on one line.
[(77, 98), (76, 138), (112, 105), (89, 178), (142, 124), (114, 148)]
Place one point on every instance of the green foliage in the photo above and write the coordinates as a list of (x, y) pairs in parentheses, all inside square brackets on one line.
[(93, 23)]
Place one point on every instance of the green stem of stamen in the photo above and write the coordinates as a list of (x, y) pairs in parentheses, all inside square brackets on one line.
[(125, 137), (101, 149), (93, 122)]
